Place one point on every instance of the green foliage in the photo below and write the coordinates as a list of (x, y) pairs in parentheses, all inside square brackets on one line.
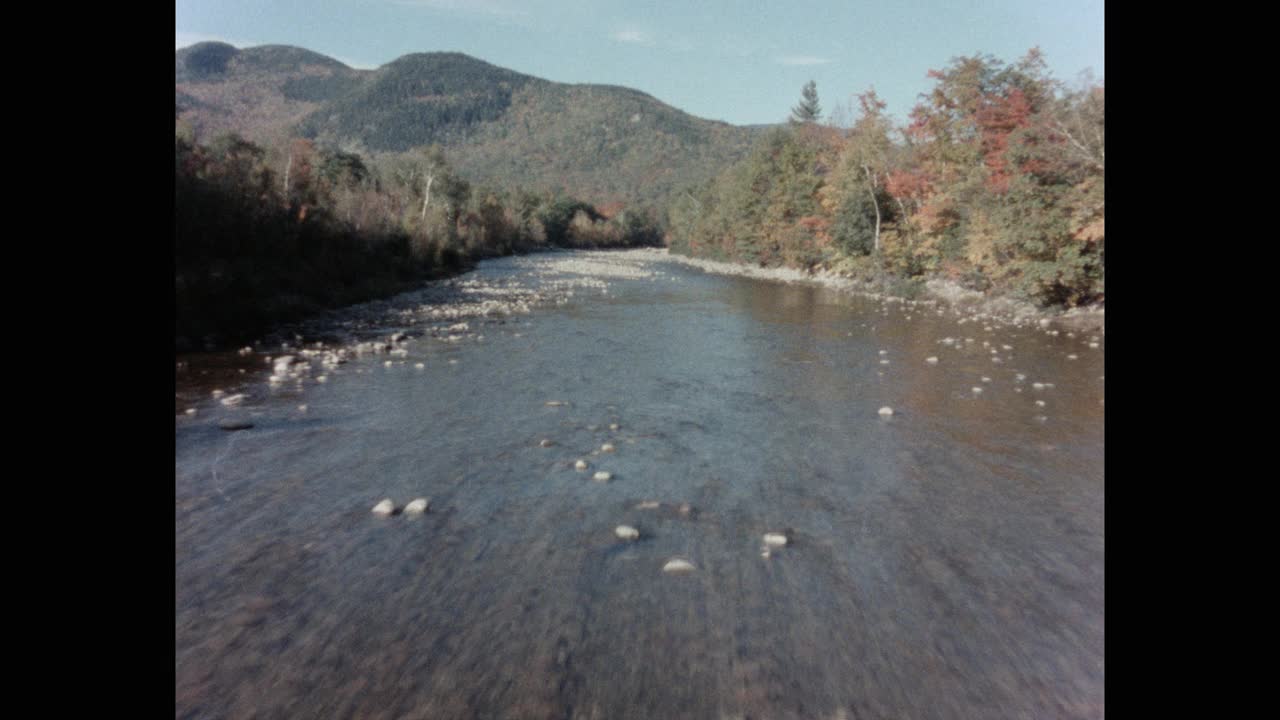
[(557, 215), (207, 60), (343, 169), (319, 88), (854, 226)]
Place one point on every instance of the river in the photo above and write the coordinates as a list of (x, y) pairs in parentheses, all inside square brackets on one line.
[(945, 561)]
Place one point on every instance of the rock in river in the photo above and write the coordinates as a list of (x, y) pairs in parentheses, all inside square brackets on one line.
[(886, 411), (384, 508), (602, 476), (676, 565), (626, 532), (774, 539), (580, 465), (417, 507), (235, 424)]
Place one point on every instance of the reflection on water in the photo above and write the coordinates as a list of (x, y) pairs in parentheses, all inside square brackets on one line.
[(944, 563)]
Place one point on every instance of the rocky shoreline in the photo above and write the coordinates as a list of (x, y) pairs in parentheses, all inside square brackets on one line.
[(964, 301)]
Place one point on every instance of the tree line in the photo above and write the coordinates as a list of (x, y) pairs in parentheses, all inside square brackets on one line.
[(997, 181), (264, 235)]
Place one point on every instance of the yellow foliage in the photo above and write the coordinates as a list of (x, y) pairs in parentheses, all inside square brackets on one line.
[(936, 215), (1093, 231), (980, 240)]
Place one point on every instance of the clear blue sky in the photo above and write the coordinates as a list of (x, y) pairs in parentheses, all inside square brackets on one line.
[(734, 60)]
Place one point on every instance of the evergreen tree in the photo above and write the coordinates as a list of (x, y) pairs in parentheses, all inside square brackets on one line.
[(808, 111)]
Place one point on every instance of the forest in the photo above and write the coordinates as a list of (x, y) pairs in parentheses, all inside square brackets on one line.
[(996, 182), (265, 235)]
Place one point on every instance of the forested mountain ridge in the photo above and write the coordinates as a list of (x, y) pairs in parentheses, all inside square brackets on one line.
[(602, 143)]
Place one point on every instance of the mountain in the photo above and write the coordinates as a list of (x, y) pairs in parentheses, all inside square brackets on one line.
[(602, 143)]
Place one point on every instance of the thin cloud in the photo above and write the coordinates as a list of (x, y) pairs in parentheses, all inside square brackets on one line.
[(793, 60), (634, 37)]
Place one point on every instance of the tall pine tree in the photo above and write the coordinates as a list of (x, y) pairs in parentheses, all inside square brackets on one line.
[(808, 111)]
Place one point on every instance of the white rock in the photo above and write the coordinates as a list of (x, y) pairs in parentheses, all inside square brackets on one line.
[(626, 532), (1040, 403), (1038, 386), (419, 366), (676, 565), (986, 379), (580, 465), (977, 391), (932, 360), (602, 476), (546, 442), (417, 507), (190, 411), (386, 507), (649, 505), (302, 408), (886, 411), (233, 400), (607, 447), (1072, 356), (774, 539), (613, 426), (884, 352)]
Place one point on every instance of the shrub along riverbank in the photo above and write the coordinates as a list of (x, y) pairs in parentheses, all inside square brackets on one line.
[(264, 236)]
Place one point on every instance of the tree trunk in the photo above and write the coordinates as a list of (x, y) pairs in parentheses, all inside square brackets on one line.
[(871, 188), (286, 177), (426, 198)]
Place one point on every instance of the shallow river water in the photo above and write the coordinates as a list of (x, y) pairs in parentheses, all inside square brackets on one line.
[(942, 562)]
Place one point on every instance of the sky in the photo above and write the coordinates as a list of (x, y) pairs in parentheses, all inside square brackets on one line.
[(740, 61)]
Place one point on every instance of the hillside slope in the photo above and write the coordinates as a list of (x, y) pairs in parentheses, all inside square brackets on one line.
[(599, 142)]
